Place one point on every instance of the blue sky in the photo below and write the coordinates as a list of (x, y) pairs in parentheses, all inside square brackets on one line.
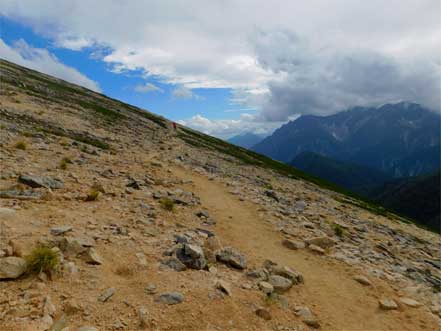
[(211, 103), (230, 67)]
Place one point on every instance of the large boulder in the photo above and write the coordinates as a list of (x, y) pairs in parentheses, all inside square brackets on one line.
[(12, 267), (231, 257), (192, 256), (279, 283), (40, 181)]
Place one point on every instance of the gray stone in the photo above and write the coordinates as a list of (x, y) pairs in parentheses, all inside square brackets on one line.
[(286, 272), (170, 298), (40, 181), (144, 318), (266, 287), (223, 287), (106, 295), (92, 257), (61, 230), (410, 302), (263, 313), (232, 258), (388, 304), (322, 242), (316, 249), (175, 264), (12, 267), (280, 284), (292, 244), (87, 328), (192, 256), (363, 280)]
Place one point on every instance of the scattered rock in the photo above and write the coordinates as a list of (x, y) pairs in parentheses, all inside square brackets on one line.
[(322, 242), (388, 304), (263, 313), (142, 260), (232, 258), (192, 256), (266, 287), (12, 267), (292, 244), (410, 302), (144, 318), (92, 257), (61, 230), (106, 295), (316, 249), (48, 307), (150, 289), (87, 328), (363, 280), (175, 264), (170, 298), (280, 284), (271, 194), (40, 181), (223, 287)]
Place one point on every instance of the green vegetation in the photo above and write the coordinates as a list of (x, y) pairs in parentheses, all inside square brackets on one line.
[(92, 195), (64, 162), (338, 230), (167, 204), (42, 259), (20, 145)]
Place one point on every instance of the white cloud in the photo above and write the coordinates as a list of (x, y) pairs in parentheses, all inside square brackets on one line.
[(229, 128), (41, 60), (279, 56), (148, 88), (182, 92)]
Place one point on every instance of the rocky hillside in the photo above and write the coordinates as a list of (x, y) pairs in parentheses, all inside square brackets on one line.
[(110, 220), (400, 139)]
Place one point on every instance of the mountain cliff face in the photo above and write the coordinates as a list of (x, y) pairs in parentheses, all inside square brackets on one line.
[(400, 139), (142, 227)]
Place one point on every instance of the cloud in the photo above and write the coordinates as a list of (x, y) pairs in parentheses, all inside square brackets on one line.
[(182, 92), (41, 60), (324, 81), (227, 128), (283, 57), (148, 88)]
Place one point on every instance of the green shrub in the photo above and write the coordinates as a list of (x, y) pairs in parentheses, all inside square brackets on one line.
[(338, 230), (20, 145), (167, 204), (42, 259), (93, 195), (64, 162)]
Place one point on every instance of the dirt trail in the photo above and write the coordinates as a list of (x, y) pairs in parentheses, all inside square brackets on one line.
[(329, 290)]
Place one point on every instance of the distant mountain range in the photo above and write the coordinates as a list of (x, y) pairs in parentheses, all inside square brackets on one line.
[(356, 178), (246, 140), (400, 139), (415, 197)]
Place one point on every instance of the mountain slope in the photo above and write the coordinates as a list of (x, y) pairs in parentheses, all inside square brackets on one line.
[(418, 198), (351, 176), (154, 228), (391, 138), (246, 140)]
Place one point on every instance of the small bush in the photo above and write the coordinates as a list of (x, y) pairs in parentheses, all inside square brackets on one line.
[(42, 259), (167, 204), (93, 195), (64, 162), (338, 230), (20, 145)]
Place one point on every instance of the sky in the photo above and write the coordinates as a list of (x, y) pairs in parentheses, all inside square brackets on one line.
[(227, 67)]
